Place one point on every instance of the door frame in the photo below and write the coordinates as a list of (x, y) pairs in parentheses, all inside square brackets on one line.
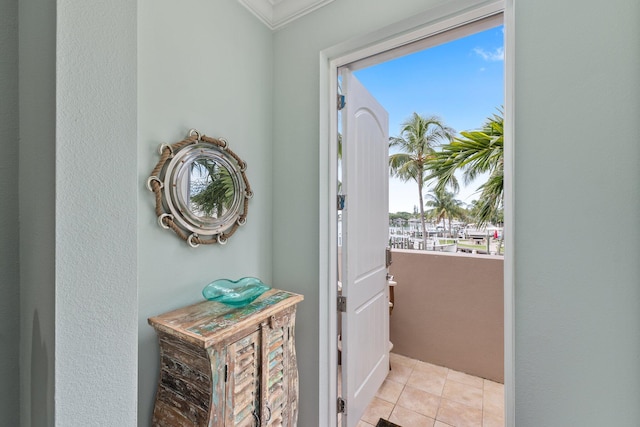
[(447, 16)]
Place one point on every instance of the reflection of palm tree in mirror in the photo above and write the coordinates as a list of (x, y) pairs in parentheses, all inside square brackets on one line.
[(211, 188)]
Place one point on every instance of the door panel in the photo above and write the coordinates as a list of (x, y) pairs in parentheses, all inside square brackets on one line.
[(365, 323)]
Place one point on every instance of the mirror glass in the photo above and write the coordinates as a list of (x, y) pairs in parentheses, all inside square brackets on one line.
[(210, 190), (205, 189)]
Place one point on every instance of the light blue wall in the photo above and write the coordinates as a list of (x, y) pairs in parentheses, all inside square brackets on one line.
[(206, 65), (37, 164), (577, 210), (9, 237), (95, 213), (577, 170), (295, 167), (213, 66), (77, 159)]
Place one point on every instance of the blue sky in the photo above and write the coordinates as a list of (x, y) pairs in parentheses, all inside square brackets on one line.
[(460, 81)]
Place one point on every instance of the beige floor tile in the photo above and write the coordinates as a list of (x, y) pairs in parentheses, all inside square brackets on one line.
[(429, 367), (492, 420), (398, 359), (463, 393), (431, 382), (493, 386), (419, 401), (399, 374), (493, 402), (390, 391), (405, 417), (459, 415), (423, 391), (377, 409), (463, 378)]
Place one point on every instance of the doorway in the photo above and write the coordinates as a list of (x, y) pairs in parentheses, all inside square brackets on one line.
[(434, 30)]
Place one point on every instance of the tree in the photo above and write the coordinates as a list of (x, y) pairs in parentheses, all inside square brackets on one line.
[(399, 215), (416, 144), (212, 189), (444, 207), (475, 152), (474, 208)]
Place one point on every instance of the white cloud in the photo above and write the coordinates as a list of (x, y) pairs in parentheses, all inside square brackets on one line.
[(495, 55)]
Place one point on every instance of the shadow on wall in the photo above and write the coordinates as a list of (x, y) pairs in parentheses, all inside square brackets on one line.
[(40, 408), (150, 375)]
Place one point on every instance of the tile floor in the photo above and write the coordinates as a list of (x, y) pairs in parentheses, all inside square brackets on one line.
[(419, 394)]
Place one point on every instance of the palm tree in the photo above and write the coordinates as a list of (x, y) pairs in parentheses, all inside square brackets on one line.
[(474, 208), (444, 207), (475, 152), (212, 192), (418, 138)]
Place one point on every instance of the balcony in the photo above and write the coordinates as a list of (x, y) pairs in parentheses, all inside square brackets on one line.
[(417, 394), (447, 329)]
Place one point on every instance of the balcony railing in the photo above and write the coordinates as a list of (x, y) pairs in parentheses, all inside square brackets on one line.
[(449, 310)]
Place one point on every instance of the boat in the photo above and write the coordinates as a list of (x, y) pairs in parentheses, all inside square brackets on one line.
[(471, 231)]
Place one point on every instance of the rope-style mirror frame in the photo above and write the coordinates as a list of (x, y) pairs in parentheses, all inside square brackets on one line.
[(168, 177)]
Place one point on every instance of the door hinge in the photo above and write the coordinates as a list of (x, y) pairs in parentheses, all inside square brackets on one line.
[(387, 253), (342, 406), (226, 372), (342, 199), (342, 304), (341, 102)]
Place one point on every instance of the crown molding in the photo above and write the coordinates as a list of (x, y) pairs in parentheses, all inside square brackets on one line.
[(276, 13)]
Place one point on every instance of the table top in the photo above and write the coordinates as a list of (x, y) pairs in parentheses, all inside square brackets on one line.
[(207, 322)]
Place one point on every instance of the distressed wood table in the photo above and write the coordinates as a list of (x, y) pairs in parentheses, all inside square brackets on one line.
[(228, 366)]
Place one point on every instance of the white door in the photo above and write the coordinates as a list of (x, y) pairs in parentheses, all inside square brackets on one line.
[(365, 229)]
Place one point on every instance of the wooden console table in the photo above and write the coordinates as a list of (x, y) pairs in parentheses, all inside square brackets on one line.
[(223, 366)]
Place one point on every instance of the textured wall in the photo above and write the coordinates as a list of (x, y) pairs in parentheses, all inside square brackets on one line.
[(577, 103), (9, 243), (204, 65), (577, 171), (95, 212), (577, 297)]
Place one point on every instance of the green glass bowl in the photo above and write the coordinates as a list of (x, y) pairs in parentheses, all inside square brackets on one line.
[(237, 293)]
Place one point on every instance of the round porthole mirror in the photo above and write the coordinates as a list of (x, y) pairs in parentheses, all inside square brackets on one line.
[(201, 188)]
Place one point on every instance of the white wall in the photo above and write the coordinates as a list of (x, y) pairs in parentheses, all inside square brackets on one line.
[(206, 65), (577, 208), (9, 237)]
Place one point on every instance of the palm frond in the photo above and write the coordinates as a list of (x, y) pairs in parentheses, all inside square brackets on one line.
[(474, 152)]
